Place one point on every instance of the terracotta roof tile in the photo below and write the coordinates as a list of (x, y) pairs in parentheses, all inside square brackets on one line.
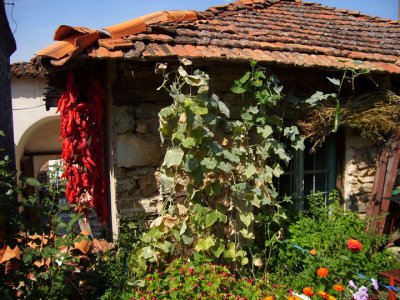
[(140, 24), (112, 44), (276, 31), (101, 52)]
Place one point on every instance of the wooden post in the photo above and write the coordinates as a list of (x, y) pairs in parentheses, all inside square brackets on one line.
[(385, 178)]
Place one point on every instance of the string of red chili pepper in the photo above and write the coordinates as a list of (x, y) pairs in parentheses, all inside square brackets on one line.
[(82, 148)]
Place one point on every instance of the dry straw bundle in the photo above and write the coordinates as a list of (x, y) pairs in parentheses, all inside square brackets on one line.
[(374, 115)]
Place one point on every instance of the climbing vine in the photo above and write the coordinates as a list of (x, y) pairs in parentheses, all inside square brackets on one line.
[(217, 171), (82, 147)]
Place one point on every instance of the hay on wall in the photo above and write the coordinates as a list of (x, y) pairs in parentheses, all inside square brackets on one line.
[(373, 115)]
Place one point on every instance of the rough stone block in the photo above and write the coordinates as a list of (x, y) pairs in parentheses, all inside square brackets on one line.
[(148, 184), (123, 119), (137, 150), (135, 207), (137, 172), (147, 111), (125, 186), (366, 179), (142, 127)]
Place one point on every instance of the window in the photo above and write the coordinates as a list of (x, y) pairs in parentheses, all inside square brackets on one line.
[(309, 173)]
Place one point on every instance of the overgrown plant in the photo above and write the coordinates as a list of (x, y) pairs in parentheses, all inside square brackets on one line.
[(217, 171), (328, 246), (36, 263)]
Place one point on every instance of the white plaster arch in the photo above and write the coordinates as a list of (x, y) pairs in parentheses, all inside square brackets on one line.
[(44, 132)]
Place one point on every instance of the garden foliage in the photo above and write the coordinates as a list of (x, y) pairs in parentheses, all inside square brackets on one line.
[(216, 170), (329, 246)]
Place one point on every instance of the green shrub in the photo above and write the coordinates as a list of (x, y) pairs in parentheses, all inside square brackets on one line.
[(111, 271), (327, 229), (196, 279)]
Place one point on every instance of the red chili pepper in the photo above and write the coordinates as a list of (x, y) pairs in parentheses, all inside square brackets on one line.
[(81, 128)]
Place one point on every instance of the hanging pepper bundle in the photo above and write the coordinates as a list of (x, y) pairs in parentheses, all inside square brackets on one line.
[(83, 146)]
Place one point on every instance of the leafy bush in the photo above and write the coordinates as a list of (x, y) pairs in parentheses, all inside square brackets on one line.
[(197, 279), (37, 262), (320, 239), (111, 268)]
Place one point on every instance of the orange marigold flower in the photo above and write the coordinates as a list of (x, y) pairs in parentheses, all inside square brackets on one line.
[(313, 252), (331, 297), (293, 297), (308, 291), (323, 294), (323, 272), (338, 287), (269, 298), (354, 245)]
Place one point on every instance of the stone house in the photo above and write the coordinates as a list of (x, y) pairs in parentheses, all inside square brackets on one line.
[(301, 42)]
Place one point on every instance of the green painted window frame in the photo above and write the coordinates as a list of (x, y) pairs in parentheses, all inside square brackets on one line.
[(296, 172)]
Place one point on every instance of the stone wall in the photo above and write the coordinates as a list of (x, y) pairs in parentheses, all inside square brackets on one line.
[(359, 172), (137, 142), (137, 146)]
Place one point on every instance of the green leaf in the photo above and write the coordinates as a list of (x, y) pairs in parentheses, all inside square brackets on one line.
[(247, 235), (187, 240), (183, 228), (218, 248), (229, 156), (265, 131), (334, 81), (148, 252), (244, 261), (166, 182), (246, 116), (32, 182), (182, 71), (213, 189), (166, 112), (226, 167), (291, 132), (188, 142), (246, 218), (250, 171), (245, 77), (253, 109), (173, 157), (230, 252), (223, 109), (203, 244), (166, 246), (27, 258), (199, 110), (209, 162), (277, 171), (317, 97), (211, 218)]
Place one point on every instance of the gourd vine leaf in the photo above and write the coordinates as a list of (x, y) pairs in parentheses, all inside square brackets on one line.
[(173, 157)]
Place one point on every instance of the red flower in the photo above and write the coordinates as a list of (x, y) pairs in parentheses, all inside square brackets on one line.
[(308, 291), (323, 272), (338, 287), (354, 245)]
